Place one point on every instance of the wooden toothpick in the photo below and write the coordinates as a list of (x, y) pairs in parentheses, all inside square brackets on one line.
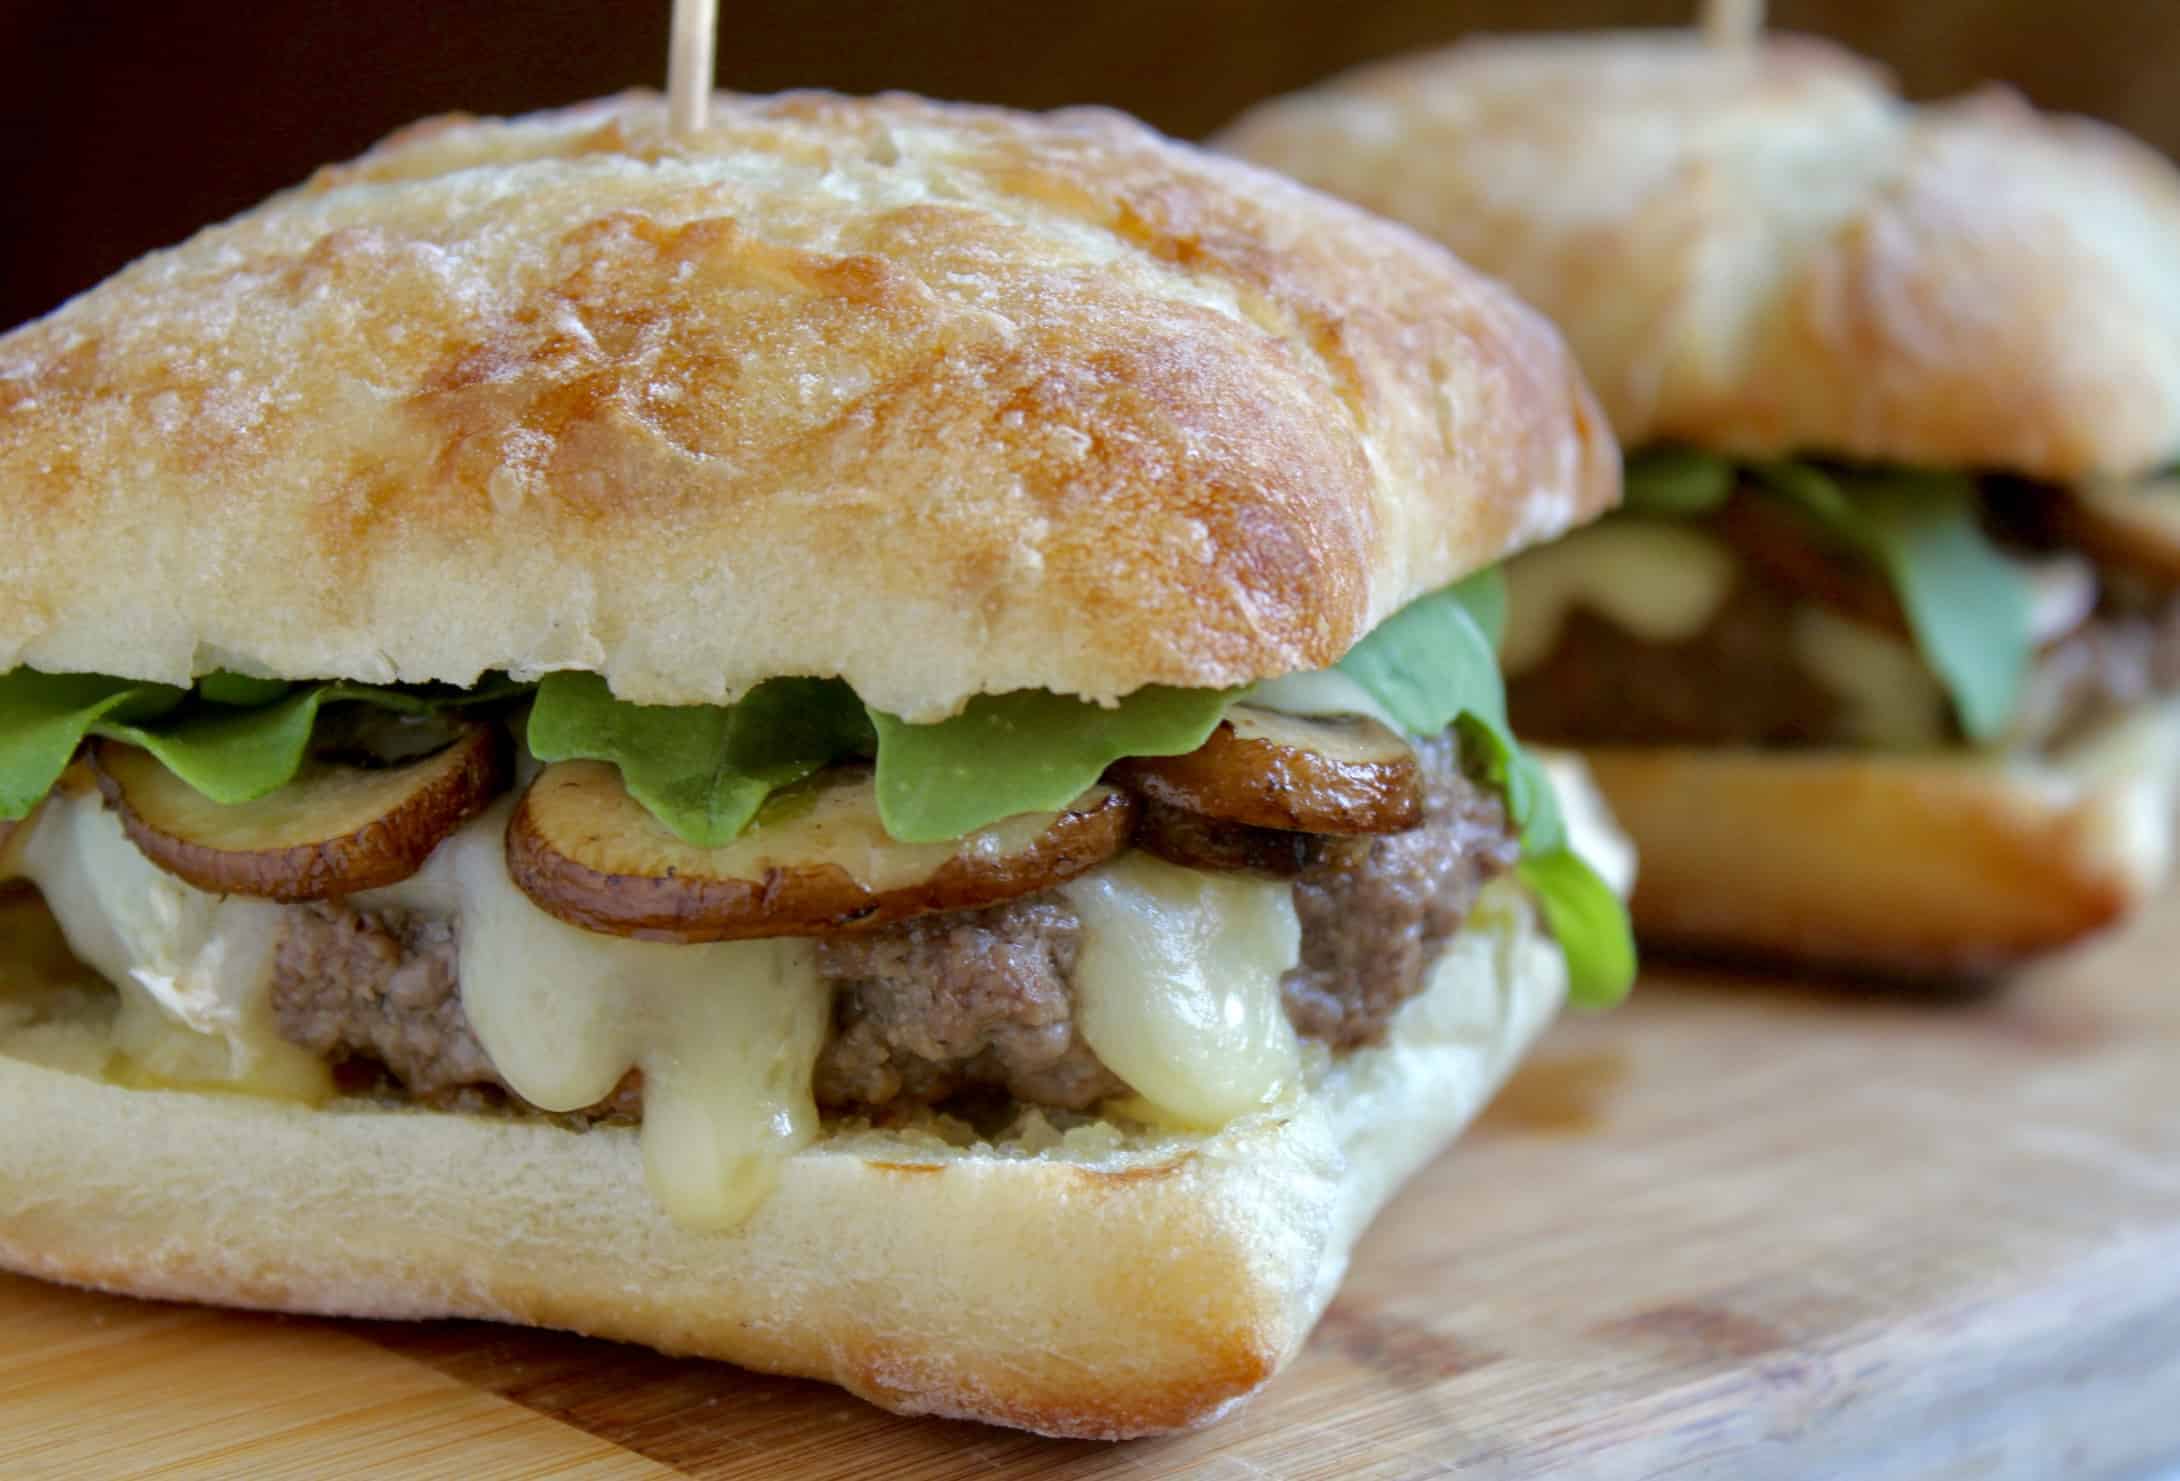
[(689, 65), (1733, 24)]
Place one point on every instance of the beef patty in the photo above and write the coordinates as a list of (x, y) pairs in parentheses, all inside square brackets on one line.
[(930, 1008), (1736, 682), (1739, 681)]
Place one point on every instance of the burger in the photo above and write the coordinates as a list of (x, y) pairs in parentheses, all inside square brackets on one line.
[(863, 741), (1878, 664)]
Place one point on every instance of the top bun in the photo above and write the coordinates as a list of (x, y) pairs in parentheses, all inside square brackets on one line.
[(1768, 252), (939, 400)]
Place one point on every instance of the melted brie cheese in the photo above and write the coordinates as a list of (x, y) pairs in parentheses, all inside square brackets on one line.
[(194, 970), (1178, 975), (726, 1035), (1177, 985), (1889, 695), (2062, 589), (1324, 694), (1663, 582)]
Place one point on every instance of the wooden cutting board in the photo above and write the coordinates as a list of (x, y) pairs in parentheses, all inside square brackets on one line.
[(1733, 1229)]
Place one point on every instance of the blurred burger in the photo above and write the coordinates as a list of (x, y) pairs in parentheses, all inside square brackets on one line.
[(1877, 665)]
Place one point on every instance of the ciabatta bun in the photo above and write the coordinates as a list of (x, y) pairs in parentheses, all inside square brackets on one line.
[(937, 399), (1769, 252), (1927, 865)]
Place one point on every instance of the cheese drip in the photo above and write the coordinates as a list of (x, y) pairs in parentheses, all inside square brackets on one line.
[(1661, 581), (194, 970), (2062, 592), (1178, 974), (726, 1035), (1323, 694), (1888, 695), (1177, 986)]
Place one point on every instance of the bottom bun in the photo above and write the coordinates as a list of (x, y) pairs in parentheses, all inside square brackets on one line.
[(1923, 865), (1084, 1284)]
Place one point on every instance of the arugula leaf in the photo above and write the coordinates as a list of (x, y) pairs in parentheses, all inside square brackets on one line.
[(1029, 751), (701, 770), (44, 717), (1436, 658), (236, 755), (1589, 922), (230, 745), (1483, 596), (1676, 481), (224, 688), (1432, 664), (1967, 605), (231, 754), (1435, 663)]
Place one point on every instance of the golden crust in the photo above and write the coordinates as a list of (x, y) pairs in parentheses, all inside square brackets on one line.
[(938, 399), (1771, 252), (919, 1276), (1910, 865)]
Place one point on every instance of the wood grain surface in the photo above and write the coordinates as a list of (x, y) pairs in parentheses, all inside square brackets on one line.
[(1734, 1229)]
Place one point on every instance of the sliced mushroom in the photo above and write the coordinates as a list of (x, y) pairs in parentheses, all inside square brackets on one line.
[(1342, 775), (333, 831), (816, 860), (1190, 839), (1792, 552), (2133, 525)]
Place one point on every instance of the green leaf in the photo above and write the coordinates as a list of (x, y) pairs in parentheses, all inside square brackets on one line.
[(1967, 605), (227, 743), (44, 717), (232, 754), (1433, 664), (1814, 490), (241, 690), (1483, 596), (1676, 482), (1436, 658), (701, 770), (1588, 921), (1030, 751)]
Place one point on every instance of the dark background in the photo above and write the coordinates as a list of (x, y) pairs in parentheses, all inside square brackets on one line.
[(126, 125)]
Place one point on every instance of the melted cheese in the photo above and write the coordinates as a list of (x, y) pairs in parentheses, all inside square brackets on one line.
[(1663, 582), (726, 1035), (1178, 975), (1890, 696), (1177, 985), (194, 970), (1321, 695), (54, 1010), (2062, 592)]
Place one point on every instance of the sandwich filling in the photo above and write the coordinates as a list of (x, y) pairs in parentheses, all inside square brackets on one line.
[(724, 924), (1806, 605)]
